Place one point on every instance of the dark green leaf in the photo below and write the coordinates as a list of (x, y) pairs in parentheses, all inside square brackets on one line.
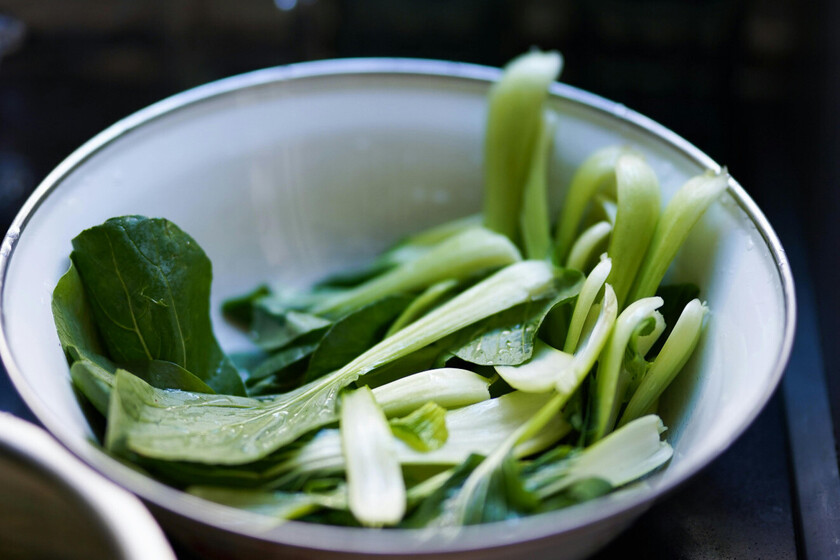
[(240, 310), (166, 375), (277, 363), (351, 335), (507, 338), (148, 284), (74, 322), (94, 382), (275, 327)]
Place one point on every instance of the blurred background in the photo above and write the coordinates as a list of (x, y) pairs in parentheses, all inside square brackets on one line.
[(752, 83)]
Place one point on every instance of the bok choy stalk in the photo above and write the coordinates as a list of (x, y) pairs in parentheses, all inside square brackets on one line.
[(637, 191), (375, 486), (514, 121), (456, 257), (625, 455), (536, 229), (223, 430), (475, 429), (467, 506), (594, 174), (588, 292), (552, 369), (421, 304), (610, 384), (679, 216), (424, 429), (674, 354), (446, 387), (586, 246)]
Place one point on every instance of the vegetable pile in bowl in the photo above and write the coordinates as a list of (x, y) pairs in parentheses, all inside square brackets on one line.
[(428, 311), (492, 367)]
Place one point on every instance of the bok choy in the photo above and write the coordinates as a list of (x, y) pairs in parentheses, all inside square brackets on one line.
[(489, 368)]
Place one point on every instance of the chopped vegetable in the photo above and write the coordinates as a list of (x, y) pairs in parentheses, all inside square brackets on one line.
[(447, 382)]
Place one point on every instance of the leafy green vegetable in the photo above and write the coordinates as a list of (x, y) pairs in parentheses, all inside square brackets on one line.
[(594, 174), (446, 387), (588, 245), (274, 325), (637, 191), (513, 127), (536, 230), (229, 430), (508, 338), (351, 335), (609, 382), (148, 285), (623, 456), (424, 429), (276, 504), (456, 257), (423, 334), (674, 354), (421, 304), (679, 216), (375, 486), (592, 286)]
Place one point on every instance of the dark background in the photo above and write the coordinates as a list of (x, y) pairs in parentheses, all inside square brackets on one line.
[(754, 84)]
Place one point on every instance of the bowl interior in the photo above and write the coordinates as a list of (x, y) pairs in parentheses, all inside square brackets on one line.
[(287, 175)]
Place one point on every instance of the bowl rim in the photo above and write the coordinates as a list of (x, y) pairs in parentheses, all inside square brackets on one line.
[(119, 515), (331, 538)]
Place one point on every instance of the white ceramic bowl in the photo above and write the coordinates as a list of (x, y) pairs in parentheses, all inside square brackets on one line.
[(56, 507), (293, 172)]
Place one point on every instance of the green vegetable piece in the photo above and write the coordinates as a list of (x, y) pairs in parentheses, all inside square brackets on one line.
[(421, 304), (679, 216), (456, 257), (638, 211), (432, 507), (478, 428), (94, 382), (596, 173), (148, 285), (508, 338), (278, 363), (75, 323), (591, 288), (576, 493), (351, 335), (424, 429), (166, 375), (588, 244), (674, 354), (230, 430), (239, 310), (609, 383), (625, 455), (539, 373), (536, 229), (275, 504), (591, 345), (513, 127), (275, 326), (446, 387), (375, 487)]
